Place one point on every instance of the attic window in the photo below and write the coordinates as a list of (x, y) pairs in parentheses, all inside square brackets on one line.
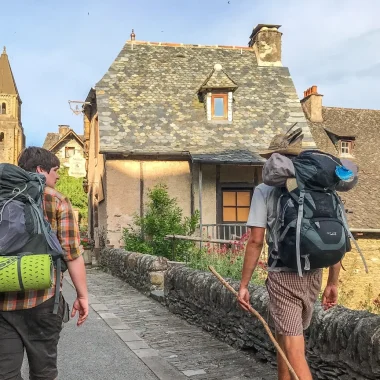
[(219, 106), (346, 147), (69, 152), (3, 109)]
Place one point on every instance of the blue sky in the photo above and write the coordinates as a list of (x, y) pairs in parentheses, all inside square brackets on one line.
[(58, 50)]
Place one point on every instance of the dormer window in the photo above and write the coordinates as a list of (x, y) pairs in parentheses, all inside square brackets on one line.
[(3, 109), (346, 147), (219, 106), (216, 92)]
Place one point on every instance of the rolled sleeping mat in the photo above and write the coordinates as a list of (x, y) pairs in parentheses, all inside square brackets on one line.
[(26, 272)]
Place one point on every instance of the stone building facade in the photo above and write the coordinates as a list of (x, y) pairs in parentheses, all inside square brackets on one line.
[(12, 138), (192, 117), (64, 144)]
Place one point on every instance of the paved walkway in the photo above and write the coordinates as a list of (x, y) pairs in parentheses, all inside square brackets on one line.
[(131, 336), (94, 352), (168, 345)]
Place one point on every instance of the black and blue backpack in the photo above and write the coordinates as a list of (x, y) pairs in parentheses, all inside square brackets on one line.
[(29, 249), (312, 230)]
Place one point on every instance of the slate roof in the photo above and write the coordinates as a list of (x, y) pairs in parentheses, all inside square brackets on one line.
[(363, 202), (148, 101), (50, 140), (7, 81), (218, 79), (231, 157)]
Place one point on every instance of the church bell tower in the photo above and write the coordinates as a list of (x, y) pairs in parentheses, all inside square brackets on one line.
[(12, 138)]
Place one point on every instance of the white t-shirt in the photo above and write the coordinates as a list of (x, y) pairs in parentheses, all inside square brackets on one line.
[(264, 213)]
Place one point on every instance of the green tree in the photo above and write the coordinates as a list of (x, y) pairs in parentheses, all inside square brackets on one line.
[(72, 188), (162, 217)]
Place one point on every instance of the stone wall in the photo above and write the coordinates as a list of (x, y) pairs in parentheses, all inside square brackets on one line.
[(144, 272), (342, 343)]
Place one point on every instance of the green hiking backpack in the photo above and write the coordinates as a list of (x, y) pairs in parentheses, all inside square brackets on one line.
[(29, 249)]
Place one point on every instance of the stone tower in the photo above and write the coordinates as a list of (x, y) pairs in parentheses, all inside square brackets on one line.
[(12, 138)]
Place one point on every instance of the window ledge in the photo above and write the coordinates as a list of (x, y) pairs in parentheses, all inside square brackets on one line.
[(219, 121)]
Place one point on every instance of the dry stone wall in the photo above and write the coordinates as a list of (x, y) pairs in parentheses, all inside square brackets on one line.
[(144, 272), (341, 343)]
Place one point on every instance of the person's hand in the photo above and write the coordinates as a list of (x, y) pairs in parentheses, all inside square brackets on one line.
[(80, 306), (243, 298), (330, 296)]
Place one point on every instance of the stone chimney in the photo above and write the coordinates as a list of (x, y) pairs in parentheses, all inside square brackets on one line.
[(266, 41), (312, 104), (63, 129)]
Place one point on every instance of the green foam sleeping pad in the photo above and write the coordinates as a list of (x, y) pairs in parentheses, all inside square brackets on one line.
[(26, 272)]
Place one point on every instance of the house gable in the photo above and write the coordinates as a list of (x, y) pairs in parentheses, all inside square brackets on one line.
[(70, 137)]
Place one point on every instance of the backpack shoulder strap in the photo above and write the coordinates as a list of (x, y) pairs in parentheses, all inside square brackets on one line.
[(346, 227), (301, 199), (16, 193)]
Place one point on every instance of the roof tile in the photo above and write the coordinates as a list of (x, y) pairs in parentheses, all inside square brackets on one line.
[(154, 90)]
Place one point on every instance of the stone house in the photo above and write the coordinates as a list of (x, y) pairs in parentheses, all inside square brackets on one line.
[(12, 138), (192, 117), (64, 144), (353, 134)]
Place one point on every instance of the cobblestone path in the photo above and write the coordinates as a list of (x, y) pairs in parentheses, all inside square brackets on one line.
[(155, 334)]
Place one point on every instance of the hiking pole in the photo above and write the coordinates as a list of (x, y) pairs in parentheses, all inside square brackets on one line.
[(257, 315)]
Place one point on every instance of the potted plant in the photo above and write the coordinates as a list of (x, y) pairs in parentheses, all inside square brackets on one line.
[(88, 246)]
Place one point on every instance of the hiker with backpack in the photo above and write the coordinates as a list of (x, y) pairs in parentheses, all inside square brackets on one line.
[(306, 230), (39, 240)]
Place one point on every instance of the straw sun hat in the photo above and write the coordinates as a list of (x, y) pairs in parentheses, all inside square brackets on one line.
[(289, 143)]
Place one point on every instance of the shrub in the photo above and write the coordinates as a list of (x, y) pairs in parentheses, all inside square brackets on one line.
[(72, 188), (227, 259), (87, 243), (162, 217)]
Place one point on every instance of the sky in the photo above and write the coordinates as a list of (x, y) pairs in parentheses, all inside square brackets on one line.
[(59, 50)]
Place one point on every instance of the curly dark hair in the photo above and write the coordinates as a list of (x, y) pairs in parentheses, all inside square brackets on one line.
[(33, 156)]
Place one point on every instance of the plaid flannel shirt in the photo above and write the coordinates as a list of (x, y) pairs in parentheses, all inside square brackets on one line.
[(58, 211)]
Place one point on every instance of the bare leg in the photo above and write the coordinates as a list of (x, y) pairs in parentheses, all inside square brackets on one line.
[(294, 348), (282, 368)]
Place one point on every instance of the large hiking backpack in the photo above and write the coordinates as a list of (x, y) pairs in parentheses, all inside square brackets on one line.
[(28, 247), (313, 231)]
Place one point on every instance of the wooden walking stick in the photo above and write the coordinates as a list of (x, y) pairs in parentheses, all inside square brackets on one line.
[(257, 315)]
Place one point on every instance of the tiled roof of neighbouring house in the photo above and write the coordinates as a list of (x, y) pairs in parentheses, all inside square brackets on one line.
[(363, 202), (50, 140), (53, 138), (148, 101)]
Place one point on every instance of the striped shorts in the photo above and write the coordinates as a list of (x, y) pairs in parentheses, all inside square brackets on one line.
[(291, 300)]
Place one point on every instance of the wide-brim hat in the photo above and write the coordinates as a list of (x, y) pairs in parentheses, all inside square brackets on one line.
[(289, 143)]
